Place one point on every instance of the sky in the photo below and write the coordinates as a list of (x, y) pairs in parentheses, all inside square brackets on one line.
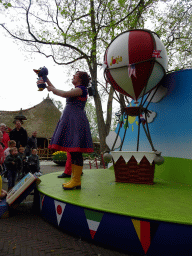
[(18, 80)]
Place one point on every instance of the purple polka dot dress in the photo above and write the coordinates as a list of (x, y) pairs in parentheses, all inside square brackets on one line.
[(72, 133)]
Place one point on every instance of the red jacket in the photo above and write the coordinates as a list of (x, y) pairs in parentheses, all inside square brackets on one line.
[(2, 155), (5, 139)]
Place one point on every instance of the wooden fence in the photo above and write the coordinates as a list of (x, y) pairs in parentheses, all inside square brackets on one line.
[(45, 153)]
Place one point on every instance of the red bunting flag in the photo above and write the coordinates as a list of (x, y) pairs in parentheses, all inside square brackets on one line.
[(156, 54), (131, 70)]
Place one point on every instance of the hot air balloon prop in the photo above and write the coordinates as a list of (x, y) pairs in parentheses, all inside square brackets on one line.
[(135, 63), (42, 74)]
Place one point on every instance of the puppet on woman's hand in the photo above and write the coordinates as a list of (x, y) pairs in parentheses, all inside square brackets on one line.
[(42, 74)]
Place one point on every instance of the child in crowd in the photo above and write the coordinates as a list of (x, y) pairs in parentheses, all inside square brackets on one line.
[(2, 153), (22, 155), (3, 193), (2, 158), (33, 163), (13, 164), (11, 144)]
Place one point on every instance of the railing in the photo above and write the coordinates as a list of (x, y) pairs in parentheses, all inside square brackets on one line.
[(98, 162), (45, 153)]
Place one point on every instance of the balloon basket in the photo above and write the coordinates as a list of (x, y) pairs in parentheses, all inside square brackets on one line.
[(134, 167)]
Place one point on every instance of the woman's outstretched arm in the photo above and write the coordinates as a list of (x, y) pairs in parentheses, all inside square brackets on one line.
[(65, 94)]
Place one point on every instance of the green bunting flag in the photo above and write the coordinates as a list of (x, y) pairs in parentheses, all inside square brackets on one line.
[(93, 220)]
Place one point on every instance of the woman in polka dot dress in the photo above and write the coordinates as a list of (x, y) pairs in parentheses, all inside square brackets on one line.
[(72, 133)]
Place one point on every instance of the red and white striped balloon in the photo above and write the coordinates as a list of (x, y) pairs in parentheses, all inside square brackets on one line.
[(134, 60)]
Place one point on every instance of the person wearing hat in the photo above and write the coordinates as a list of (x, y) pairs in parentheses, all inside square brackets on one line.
[(19, 134)]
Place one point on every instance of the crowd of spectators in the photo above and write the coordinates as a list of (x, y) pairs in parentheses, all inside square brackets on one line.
[(18, 155)]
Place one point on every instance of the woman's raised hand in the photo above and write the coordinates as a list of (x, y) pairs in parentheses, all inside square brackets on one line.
[(50, 86)]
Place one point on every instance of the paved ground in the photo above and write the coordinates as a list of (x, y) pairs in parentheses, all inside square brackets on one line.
[(27, 234)]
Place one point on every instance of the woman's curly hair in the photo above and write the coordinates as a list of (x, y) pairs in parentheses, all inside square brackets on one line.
[(85, 78)]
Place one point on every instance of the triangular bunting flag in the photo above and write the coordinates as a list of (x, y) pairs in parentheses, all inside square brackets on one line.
[(59, 208), (145, 235), (93, 220), (136, 224), (142, 229)]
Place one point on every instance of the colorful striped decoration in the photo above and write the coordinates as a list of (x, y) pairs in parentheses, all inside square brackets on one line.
[(142, 229), (93, 220)]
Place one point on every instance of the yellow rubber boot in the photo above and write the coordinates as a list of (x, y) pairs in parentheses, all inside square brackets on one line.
[(75, 182), (72, 174)]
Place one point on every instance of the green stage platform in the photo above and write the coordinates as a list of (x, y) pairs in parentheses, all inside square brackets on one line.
[(165, 201)]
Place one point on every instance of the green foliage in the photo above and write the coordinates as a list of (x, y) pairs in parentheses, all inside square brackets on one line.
[(173, 23), (72, 30), (6, 5)]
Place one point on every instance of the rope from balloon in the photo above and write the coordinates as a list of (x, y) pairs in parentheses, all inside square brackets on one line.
[(135, 111), (125, 127), (157, 87), (148, 135), (116, 137)]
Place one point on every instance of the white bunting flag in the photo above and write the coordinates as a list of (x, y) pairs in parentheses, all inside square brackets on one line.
[(59, 208)]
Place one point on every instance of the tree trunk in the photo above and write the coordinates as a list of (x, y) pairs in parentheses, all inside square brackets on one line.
[(93, 70), (101, 122), (109, 110), (122, 103)]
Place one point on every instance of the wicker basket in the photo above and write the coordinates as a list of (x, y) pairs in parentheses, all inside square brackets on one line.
[(134, 172)]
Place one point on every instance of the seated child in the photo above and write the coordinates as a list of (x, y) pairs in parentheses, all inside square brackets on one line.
[(33, 163), (13, 164)]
